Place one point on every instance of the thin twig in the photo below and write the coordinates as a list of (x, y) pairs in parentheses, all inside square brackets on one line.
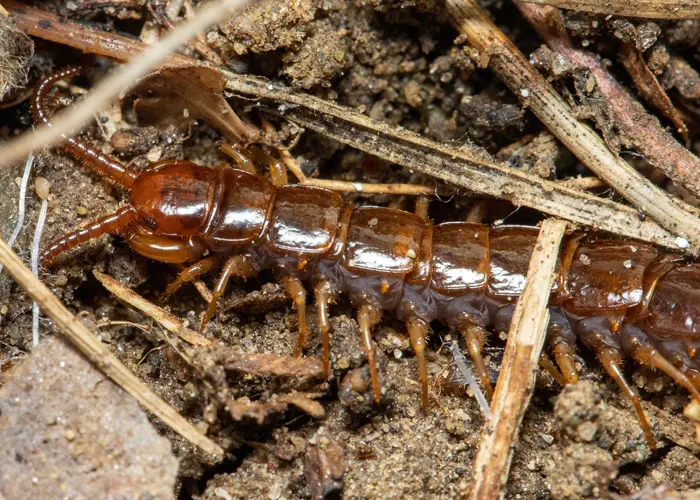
[(531, 88), (643, 130), (167, 320), (653, 9), (74, 117), (458, 167), (516, 381), (98, 354), (21, 208), (256, 364)]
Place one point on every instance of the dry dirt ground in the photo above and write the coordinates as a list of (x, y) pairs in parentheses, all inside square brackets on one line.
[(395, 61)]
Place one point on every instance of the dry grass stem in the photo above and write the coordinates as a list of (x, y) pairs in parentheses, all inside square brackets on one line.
[(516, 381), (528, 85), (583, 183), (165, 319), (643, 130), (459, 167), (74, 117), (653, 9), (256, 364), (98, 354)]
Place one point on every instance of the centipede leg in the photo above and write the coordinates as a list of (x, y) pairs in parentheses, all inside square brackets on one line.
[(564, 354), (191, 273), (278, 170), (475, 336), (422, 205), (243, 159), (112, 223), (611, 359), (295, 289), (547, 364), (323, 294), (367, 317), (418, 330), (647, 355), (238, 265)]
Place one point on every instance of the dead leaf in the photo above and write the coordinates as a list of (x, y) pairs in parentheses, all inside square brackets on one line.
[(186, 92), (272, 364), (261, 412)]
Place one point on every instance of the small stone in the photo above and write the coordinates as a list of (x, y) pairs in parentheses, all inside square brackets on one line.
[(587, 431), (547, 438), (81, 210), (343, 363), (70, 435), (42, 186), (657, 476), (154, 154)]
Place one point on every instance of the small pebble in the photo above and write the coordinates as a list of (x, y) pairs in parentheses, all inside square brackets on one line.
[(70, 435), (42, 186)]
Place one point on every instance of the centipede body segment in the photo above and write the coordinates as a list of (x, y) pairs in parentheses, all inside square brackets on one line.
[(619, 298)]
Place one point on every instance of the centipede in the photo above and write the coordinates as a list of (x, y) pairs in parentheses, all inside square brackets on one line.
[(618, 298)]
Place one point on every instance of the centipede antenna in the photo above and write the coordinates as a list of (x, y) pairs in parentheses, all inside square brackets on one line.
[(21, 209), (468, 377)]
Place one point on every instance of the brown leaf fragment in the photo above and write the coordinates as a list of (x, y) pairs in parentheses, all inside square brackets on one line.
[(272, 364), (649, 86), (262, 412), (324, 465), (305, 403), (190, 91)]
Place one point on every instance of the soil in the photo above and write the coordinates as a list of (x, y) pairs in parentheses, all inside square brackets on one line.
[(395, 61)]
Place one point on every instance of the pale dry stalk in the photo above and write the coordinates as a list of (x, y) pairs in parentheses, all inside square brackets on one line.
[(519, 368), (534, 91), (652, 9)]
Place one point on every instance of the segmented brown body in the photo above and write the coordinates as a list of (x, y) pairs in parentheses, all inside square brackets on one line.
[(617, 297)]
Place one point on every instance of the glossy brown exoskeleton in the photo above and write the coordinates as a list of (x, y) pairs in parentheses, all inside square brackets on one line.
[(618, 297)]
